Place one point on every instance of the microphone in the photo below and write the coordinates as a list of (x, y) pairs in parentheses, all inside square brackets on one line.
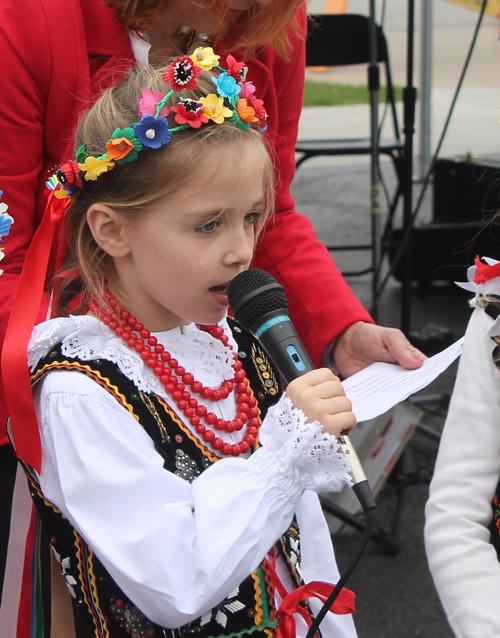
[(259, 304)]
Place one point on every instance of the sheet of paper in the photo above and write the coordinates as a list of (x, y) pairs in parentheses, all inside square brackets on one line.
[(380, 386)]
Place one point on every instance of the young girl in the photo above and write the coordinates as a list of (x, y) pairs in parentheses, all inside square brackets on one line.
[(462, 530), (171, 510)]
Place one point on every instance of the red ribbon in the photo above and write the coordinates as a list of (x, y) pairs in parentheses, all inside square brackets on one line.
[(485, 272), (24, 316), (290, 603), (58, 207)]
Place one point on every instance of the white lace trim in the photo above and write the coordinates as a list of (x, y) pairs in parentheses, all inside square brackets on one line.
[(87, 339), (290, 442), (309, 441)]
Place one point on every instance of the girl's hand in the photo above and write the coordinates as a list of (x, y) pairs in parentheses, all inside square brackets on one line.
[(321, 397)]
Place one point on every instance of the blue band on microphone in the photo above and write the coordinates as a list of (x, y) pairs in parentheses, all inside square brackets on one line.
[(269, 324), (296, 358)]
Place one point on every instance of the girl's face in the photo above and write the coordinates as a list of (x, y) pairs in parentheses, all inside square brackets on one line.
[(182, 254), (198, 16)]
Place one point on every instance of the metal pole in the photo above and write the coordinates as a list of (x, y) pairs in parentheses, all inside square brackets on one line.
[(425, 87), (373, 85), (409, 96)]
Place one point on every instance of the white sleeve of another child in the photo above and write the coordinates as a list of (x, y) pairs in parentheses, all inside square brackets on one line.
[(463, 564), (175, 548)]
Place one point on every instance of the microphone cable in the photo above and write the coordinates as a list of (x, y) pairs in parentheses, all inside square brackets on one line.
[(346, 575), (259, 304), (432, 163)]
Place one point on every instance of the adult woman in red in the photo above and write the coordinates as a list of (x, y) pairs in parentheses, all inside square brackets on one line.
[(59, 55)]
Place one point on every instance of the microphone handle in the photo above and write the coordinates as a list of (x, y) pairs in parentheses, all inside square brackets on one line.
[(277, 335)]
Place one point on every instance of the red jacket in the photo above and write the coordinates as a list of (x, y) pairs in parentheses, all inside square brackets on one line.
[(57, 56)]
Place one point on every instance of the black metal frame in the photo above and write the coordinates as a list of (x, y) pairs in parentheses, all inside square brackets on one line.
[(347, 39)]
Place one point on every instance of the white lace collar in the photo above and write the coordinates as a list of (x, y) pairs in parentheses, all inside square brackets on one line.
[(88, 339), (140, 49)]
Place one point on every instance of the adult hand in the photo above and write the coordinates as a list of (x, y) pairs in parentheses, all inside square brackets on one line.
[(320, 395), (365, 343)]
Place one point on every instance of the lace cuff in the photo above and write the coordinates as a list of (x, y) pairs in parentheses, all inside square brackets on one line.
[(303, 450)]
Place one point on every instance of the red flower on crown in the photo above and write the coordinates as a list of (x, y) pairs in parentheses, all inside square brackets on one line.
[(484, 272), (68, 174), (182, 73), (237, 70), (260, 111), (191, 112)]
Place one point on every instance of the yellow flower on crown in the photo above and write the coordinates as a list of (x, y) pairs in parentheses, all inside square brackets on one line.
[(214, 108), (205, 58), (95, 166), (61, 193)]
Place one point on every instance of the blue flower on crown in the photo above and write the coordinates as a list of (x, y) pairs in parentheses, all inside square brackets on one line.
[(152, 131), (226, 85)]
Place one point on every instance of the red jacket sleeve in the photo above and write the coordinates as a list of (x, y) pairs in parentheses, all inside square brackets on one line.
[(321, 303), (25, 81), (39, 90)]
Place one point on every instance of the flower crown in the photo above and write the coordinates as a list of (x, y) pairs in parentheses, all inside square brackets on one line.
[(235, 101)]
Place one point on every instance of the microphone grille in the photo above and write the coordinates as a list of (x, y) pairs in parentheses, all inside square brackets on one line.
[(252, 294)]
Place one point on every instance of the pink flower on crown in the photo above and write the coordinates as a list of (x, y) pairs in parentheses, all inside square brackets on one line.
[(182, 73), (148, 102), (247, 90)]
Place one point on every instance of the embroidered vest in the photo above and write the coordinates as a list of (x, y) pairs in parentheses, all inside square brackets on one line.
[(106, 610)]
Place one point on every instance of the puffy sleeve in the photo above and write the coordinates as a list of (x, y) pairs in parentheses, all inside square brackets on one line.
[(463, 563), (175, 548), (321, 303)]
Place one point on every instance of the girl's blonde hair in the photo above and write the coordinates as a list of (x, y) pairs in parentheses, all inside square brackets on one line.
[(261, 25), (133, 187)]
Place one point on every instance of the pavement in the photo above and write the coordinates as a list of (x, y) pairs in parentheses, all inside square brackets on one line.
[(474, 126), (395, 594)]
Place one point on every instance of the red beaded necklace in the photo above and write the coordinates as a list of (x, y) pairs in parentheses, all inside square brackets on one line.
[(168, 370)]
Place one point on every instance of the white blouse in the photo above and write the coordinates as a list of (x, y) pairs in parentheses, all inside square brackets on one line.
[(177, 548), (463, 564)]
